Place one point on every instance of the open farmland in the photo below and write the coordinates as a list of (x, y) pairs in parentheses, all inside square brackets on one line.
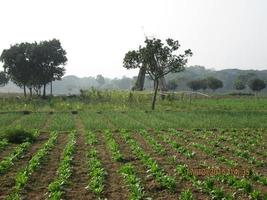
[(121, 151)]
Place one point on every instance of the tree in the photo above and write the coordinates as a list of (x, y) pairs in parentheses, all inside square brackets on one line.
[(194, 85), (158, 60), (198, 84), (49, 56), (100, 80), (172, 84), (239, 84), (256, 85), (17, 64), (3, 79), (214, 83)]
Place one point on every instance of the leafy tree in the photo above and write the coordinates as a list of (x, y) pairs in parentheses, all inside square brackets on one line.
[(194, 85), (214, 83), (239, 84), (49, 56), (17, 64), (172, 84), (100, 80), (34, 64), (198, 84), (158, 59), (3, 79), (256, 85)]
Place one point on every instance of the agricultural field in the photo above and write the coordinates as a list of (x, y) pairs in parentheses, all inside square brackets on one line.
[(202, 149)]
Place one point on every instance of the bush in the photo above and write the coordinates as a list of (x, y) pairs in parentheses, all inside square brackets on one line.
[(18, 136), (26, 112), (74, 112)]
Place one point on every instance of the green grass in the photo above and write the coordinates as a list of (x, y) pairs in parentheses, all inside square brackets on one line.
[(113, 110)]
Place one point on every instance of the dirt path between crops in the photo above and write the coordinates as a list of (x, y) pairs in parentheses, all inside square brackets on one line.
[(7, 180), (115, 188), (37, 186), (79, 178)]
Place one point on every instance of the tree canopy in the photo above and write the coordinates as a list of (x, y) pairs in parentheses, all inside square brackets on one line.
[(214, 83)]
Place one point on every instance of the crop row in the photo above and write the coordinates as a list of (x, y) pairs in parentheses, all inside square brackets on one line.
[(205, 185), (126, 170), (157, 172), (96, 171), (64, 171), (23, 176), (113, 146), (237, 183)]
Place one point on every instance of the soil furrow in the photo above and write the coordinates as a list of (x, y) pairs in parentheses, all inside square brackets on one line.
[(79, 178), (37, 186), (168, 165), (115, 187), (151, 187), (7, 180)]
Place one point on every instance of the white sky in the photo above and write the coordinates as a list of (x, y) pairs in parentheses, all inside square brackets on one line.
[(97, 33)]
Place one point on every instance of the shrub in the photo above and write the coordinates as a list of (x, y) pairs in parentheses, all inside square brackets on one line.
[(18, 136), (74, 112), (26, 112)]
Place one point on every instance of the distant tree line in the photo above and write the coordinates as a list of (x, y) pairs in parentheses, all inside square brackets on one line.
[(33, 65)]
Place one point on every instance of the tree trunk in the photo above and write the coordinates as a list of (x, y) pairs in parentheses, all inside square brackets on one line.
[(155, 94), (30, 91), (44, 91), (139, 85), (24, 89), (51, 89)]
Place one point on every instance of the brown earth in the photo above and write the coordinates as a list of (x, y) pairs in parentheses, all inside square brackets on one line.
[(79, 178), (37, 186), (7, 180)]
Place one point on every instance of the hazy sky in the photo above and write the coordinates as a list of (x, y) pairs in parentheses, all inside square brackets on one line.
[(97, 33)]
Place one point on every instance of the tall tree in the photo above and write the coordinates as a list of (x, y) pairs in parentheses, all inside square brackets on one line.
[(158, 59), (17, 64), (50, 58)]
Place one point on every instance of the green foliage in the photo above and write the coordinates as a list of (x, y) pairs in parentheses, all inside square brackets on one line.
[(96, 171), (198, 84), (113, 146), (158, 173), (34, 64), (136, 190), (157, 59), (256, 84), (186, 195), (3, 79), (8, 161), (239, 85), (17, 135), (214, 83), (64, 171)]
